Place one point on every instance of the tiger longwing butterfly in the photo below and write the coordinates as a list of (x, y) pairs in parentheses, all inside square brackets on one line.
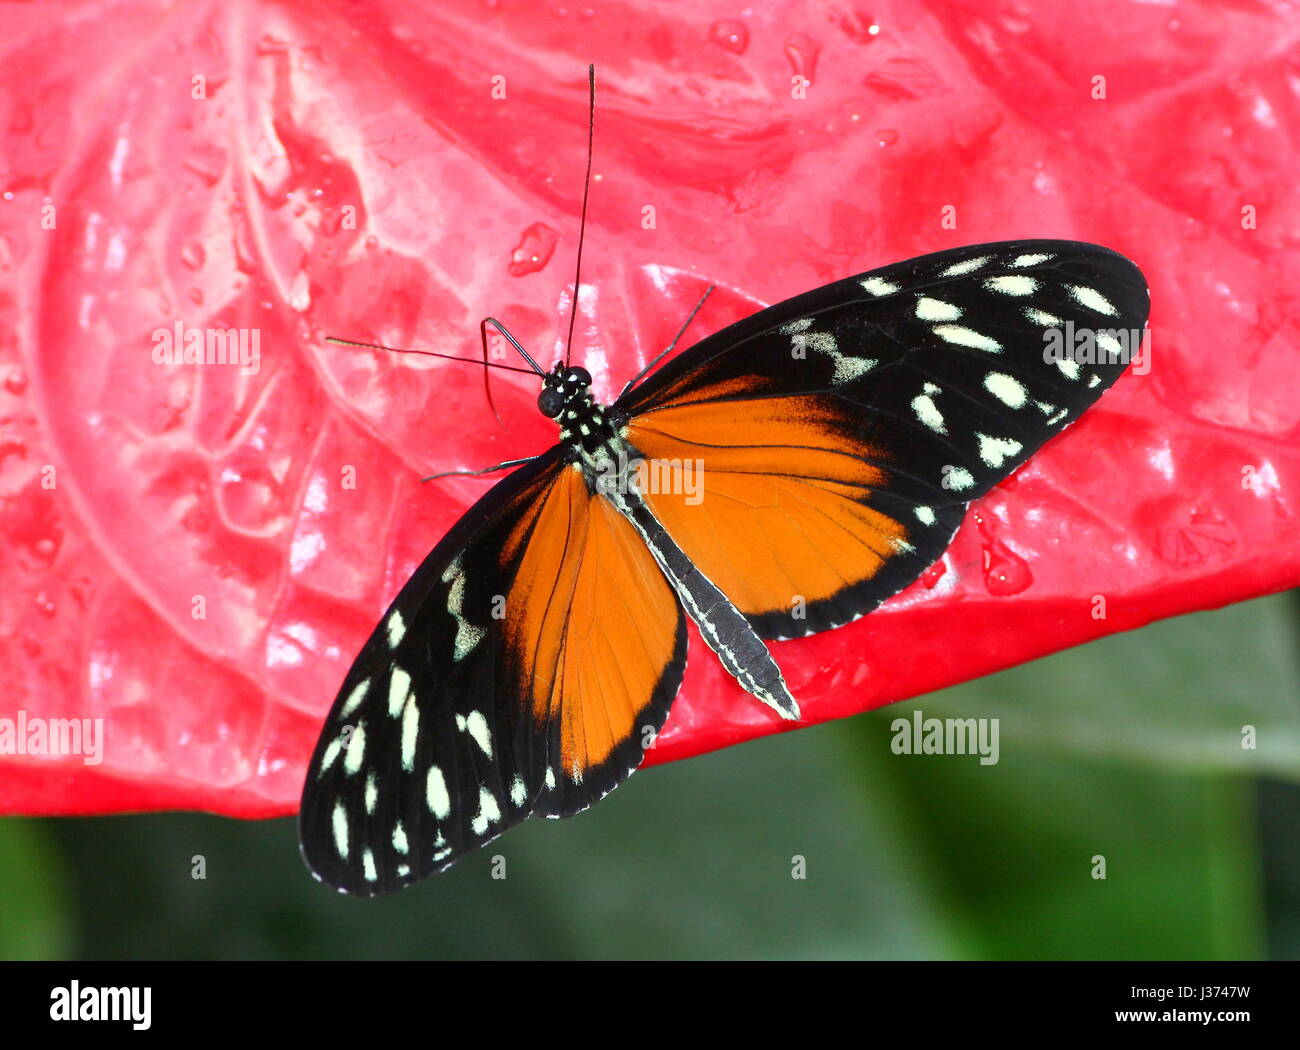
[(837, 439)]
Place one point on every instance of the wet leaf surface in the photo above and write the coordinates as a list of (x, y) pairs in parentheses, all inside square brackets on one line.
[(348, 171)]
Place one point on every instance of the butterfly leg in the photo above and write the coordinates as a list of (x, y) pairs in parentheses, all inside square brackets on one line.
[(477, 473), (669, 348)]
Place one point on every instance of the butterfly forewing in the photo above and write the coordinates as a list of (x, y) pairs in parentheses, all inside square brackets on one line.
[(841, 433)]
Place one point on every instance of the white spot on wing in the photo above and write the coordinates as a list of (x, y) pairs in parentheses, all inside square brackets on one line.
[(435, 794), (1042, 317), (928, 309), (1010, 391), (968, 266), (927, 411), (847, 367), (354, 698), (356, 752), (331, 753), (518, 792), (340, 825), (1110, 344), (925, 515), (1012, 284), (488, 812), (477, 727), (399, 685), (960, 335), (995, 451), (1068, 367), (399, 839), (468, 635), (958, 479), (1032, 259), (410, 732), (368, 863), (1091, 298), (396, 629), (879, 286)]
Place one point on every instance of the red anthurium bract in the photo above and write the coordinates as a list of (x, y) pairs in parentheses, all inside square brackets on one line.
[(194, 555)]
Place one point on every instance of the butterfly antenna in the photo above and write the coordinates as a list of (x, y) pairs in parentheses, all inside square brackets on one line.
[(586, 192), (487, 373), (434, 353), (513, 342)]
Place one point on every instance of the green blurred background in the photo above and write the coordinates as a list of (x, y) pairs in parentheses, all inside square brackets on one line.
[(1128, 748)]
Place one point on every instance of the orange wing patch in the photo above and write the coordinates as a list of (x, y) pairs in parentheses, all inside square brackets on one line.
[(590, 623), (775, 511)]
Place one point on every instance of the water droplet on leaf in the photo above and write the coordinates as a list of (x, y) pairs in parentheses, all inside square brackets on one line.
[(1005, 572), (534, 251), (730, 34)]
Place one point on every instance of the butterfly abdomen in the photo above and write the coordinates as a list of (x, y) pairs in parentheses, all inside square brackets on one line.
[(723, 627)]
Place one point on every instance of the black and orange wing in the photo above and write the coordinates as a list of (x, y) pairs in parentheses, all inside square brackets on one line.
[(521, 670), (838, 436)]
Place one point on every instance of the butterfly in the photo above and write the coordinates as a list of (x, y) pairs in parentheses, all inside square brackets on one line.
[(781, 477)]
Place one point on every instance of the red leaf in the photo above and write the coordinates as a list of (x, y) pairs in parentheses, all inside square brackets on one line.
[(348, 171)]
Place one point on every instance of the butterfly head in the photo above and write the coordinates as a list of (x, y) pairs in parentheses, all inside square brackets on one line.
[(563, 386)]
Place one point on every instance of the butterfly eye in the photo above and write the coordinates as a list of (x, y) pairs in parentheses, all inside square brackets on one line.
[(550, 402)]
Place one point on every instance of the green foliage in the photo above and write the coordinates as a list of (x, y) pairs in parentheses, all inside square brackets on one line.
[(34, 905)]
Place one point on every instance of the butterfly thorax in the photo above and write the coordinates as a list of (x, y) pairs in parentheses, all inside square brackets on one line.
[(587, 430)]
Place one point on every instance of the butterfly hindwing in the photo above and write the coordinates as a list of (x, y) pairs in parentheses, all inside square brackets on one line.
[(521, 670), (840, 434)]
